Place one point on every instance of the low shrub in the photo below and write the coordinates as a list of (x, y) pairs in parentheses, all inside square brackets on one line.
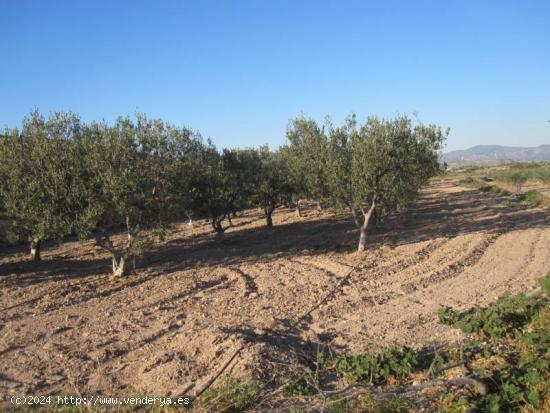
[(531, 198)]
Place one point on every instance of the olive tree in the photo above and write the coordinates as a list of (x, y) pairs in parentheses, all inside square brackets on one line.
[(306, 155), (244, 168), (43, 183), (294, 176), (215, 185), (272, 188), (131, 166), (207, 185), (377, 168)]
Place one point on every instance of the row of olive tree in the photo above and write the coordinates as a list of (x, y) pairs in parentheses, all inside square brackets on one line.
[(373, 169), (60, 176)]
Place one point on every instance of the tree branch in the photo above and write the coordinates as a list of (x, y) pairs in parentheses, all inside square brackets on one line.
[(103, 240)]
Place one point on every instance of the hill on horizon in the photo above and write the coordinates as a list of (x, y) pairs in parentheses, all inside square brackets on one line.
[(481, 153)]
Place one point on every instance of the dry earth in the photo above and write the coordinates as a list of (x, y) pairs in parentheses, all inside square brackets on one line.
[(66, 326)]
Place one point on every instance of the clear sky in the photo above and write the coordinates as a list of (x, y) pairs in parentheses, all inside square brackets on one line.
[(239, 70)]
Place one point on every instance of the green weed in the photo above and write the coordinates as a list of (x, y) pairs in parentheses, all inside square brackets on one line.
[(531, 198)]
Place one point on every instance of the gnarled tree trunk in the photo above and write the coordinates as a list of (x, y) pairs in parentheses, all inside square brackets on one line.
[(218, 227), (119, 265), (118, 259), (35, 249)]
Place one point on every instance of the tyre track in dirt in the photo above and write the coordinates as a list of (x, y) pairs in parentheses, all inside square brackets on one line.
[(374, 326), (470, 288)]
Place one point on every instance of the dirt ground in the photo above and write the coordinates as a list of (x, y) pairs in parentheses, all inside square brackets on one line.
[(67, 326)]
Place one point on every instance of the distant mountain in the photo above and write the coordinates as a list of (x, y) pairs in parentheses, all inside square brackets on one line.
[(486, 153)]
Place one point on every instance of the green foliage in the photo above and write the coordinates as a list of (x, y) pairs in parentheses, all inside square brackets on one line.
[(60, 176), (373, 169), (222, 183), (545, 284), (519, 377), (131, 168), (507, 203), (300, 386), (306, 155), (43, 185), (531, 198), (383, 160), (509, 351), (503, 318), (272, 185), (377, 368)]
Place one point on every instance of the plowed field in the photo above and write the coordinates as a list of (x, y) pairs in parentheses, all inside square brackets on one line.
[(67, 326)]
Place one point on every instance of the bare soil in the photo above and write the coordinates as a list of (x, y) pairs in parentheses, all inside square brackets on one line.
[(67, 326)]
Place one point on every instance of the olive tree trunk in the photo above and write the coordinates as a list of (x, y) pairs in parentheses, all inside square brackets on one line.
[(119, 257), (218, 226), (119, 265), (268, 211), (367, 215), (35, 249), (298, 209)]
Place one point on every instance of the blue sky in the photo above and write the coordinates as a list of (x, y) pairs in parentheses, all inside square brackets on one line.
[(239, 70)]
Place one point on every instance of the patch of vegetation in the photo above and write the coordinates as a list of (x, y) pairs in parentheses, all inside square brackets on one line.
[(518, 375), (506, 317), (488, 179), (506, 358), (231, 396), (369, 404), (507, 203), (395, 363), (532, 198), (301, 385), (521, 172), (501, 191)]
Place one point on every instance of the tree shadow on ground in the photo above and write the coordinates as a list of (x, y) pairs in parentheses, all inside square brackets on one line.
[(461, 213), (51, 269), (286, 346), (435, 214)]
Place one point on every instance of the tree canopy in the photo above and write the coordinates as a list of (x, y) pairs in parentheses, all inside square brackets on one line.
[(60, 176)]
